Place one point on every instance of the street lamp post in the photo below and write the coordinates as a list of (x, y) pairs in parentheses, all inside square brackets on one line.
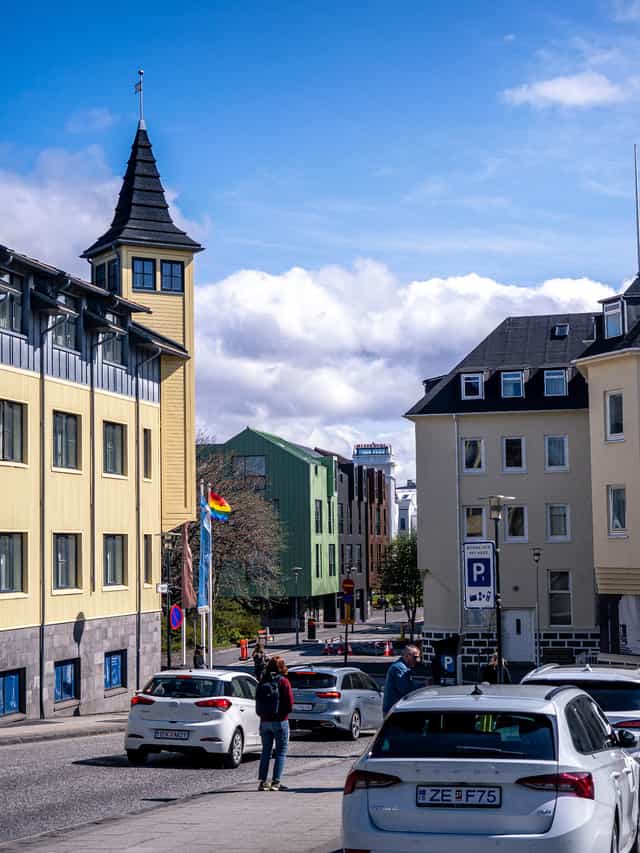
[(536, 553), (296, 573), (496, 508)]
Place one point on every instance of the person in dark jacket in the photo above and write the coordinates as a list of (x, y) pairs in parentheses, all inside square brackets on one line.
[(198, 658), (259, 660), (399, 680), (275, 727), (490, 671)]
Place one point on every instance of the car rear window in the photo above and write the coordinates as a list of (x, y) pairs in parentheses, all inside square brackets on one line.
[(311, 680), (183, 687), (610, 695), (465, 734)]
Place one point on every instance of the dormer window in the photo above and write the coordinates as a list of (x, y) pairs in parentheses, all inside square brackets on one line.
[(513, 383), (472, 386), (144, 273), (613, 323), (11, 302), (100, 275), (560, 330), (555, 383)]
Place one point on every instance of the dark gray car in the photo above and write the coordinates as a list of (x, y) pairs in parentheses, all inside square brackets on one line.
[(342, 698)]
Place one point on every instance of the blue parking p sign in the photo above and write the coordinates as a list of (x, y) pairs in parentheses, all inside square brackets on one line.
[(479, 575)]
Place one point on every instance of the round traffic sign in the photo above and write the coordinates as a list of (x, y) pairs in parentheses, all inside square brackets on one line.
[(175, 616), (348, 585)]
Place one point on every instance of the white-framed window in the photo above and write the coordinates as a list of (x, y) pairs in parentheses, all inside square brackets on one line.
[(66, 561), (474, 526), (473, 455), (613, 319), (115, 559), (555, 383), (512, 383), (516, 528), (617, 501), (614, 415), (514, 454), (559, 598), (556, 452), (472, 386), (558, 523)]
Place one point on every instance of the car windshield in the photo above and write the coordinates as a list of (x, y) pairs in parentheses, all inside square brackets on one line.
[(610, 695), (311, 680), (465, 734), (183, 687)]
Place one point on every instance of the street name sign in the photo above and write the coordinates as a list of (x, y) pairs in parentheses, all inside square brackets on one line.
[(479, 575)]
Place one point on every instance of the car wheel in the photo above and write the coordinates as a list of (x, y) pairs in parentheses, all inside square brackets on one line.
[(614, 838), (355, 726), (137, 756), (234, 756)]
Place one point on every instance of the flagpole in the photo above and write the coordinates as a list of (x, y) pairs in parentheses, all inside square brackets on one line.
[(184, 637), (210, 592)]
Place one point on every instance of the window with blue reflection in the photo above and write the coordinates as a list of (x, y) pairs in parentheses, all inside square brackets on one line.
[(10, 693), (115, 670), (67, 680)]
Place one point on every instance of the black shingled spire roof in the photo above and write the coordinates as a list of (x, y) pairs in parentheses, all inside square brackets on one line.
[(142, 214)]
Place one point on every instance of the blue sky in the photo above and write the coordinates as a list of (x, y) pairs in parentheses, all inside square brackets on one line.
[(414, 140)]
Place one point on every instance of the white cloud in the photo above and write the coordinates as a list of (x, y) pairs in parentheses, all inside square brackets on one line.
[(88, 121), (586, 89), (334, 356), (59, 208)]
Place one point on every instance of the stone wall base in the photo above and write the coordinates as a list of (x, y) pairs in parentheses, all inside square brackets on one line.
[(86, 640)]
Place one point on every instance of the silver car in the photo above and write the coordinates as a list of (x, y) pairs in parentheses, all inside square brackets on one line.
[(342, 698)]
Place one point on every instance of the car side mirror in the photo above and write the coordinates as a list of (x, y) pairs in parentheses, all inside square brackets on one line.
[(627, 739)]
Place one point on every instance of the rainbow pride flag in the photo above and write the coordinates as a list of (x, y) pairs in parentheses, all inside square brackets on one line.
[(220, 509)]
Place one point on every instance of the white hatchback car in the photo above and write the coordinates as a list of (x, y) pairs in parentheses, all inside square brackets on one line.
[(196, 711), (615, 688), (503, 768)]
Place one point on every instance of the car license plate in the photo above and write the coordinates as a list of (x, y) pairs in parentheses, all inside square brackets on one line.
[(458, 796), (171, 734), (302, 706)]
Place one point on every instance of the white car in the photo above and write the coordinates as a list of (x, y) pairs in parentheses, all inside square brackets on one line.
[(615, 688), (198, 711), (493, 768)]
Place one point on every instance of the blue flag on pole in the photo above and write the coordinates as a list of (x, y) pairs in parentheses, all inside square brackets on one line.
[(205, 554)]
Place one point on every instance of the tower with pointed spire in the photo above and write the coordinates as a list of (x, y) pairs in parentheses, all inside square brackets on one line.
[(146, 258)]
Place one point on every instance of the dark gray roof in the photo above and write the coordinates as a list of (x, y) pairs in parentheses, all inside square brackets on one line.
[(518, 343), (142, 214)]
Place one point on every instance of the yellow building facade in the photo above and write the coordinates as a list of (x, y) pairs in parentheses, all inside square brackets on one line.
[(97, 462)]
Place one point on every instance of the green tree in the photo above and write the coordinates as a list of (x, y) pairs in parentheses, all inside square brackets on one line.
[(400, 576)]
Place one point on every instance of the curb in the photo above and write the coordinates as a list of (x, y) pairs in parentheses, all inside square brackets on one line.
[(17, 739)]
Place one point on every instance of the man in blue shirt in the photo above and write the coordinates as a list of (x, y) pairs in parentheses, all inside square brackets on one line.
[(399, 679)]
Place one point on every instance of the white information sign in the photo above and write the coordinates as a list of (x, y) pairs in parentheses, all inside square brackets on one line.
[(479, 575)]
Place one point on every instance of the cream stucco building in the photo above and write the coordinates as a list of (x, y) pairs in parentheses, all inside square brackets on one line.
[(511, 419)]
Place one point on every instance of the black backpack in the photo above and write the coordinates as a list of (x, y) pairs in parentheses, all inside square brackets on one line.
[(268, 697)]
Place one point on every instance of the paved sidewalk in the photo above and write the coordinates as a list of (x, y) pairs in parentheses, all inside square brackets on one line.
[(305, 819), (31, 731)]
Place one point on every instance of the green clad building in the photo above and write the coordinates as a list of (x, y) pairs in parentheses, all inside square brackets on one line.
[(302, 485)]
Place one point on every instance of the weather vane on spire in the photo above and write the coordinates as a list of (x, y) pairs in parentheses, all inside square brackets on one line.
[(138, 90)]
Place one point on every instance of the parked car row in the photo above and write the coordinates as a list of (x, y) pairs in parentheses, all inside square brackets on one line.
[(212, 712)]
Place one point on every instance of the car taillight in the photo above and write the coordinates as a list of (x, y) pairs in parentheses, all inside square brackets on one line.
[(220, 704), (627, 724), (367, 779), (141, 700), (328, 694), (573, 784)]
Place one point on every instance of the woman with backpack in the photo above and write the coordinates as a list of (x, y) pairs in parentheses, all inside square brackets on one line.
[(274, 701)]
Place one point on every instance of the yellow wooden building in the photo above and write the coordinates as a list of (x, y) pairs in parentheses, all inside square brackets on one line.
[(97, 454)]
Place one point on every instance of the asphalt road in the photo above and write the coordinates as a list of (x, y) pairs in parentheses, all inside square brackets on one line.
[(58, 784)]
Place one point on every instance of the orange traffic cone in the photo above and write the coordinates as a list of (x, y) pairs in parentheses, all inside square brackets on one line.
[(387, 650)]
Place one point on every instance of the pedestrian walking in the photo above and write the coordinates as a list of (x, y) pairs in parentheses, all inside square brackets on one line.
[(399, 680), (259, 660), (490, 671), (198, 658), (274, 701)]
